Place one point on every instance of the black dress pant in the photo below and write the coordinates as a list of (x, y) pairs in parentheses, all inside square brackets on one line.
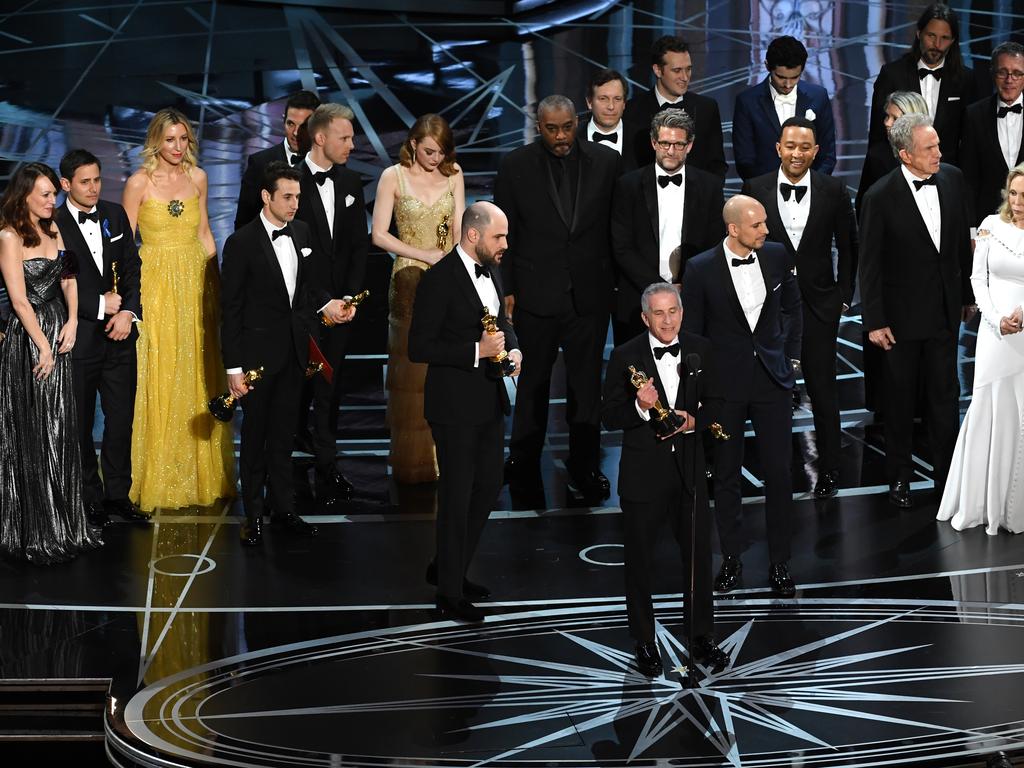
[(111, 374), (469, 460), (818, 361), (325, 399), (770, 410)]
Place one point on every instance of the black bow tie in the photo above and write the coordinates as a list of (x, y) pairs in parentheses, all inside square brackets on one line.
[(284, 231), (482, 270), (297, 158), (743, 262), (673, 105), (83, 217), (671, 349), (676, 179), (611, 138), (918, 183), (787, 189), (1004, 111), (321, 176), (923, 72)]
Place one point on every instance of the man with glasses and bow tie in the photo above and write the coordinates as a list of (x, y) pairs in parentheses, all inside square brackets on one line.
[(915, 267), (743, 297), (664, 207)]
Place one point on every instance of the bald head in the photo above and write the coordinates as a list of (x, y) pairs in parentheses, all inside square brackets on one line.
[(484, 232), (745, 219)]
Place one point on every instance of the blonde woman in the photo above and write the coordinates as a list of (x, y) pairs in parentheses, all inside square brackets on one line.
[(181, 455)]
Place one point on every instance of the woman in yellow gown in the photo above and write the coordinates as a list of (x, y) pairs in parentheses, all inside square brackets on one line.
[(426, 194), (181, 455)]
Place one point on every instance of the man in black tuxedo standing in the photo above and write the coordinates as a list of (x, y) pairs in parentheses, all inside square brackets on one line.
[(297, 111), (103, 360), (656, 210), (656, 474), (807, 211), (743, 296), (673, 69), (915, 266), (464, 397), (265, 320), (934, 68), (557, 273), (604, 123), (332, 206), (993, 130)]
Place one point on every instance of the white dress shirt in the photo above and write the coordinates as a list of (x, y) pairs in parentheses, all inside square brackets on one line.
[(593, 128), (326, 191), (1009, 130), (930, 86), (289, 156), (927, 199), (663, 100), (749, 284), (670, 218), (484, 289), (94, 239), (785, 103), (792, 213), (668, 375)]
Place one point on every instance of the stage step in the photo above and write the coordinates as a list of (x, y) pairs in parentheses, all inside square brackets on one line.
[(52, 710)]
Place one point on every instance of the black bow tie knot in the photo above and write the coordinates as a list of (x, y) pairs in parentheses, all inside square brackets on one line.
[(921, 183), (676, 178), (297, 158), (789, 189), (743, 262), (611, 138), (321, 176), (83, 217), (284, 231), (923, 72), (1004, 111), (671, 349), (482, 271)]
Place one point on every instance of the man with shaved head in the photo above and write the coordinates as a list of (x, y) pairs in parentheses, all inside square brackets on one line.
[(743, 296)]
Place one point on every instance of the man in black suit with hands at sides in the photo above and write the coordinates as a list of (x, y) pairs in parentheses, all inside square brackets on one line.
[(915, 267), (464, 398), (807, 210), (104, 359), (656, 474), (265, 320), (743, 296)]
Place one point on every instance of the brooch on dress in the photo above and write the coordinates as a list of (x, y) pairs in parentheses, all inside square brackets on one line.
[(175, 208)]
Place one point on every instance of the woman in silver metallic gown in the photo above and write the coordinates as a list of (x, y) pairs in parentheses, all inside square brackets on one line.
[(42, 517)]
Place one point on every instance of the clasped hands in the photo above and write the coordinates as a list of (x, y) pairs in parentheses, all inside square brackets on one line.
[(1012, 322), (119, 322), (340, 311), (647, 396), (493, 344)]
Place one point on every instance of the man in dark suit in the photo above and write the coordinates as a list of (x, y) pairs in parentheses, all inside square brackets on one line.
[(656, 210), (265, 319), (673, 69), (656, 474), (932, 67), (742, 295), (915, 266), (761, 110), (557, 195), (297, 110), (992, 142), (606, 101), (464, 397), (103, 359), (333, 208), (808, 211)]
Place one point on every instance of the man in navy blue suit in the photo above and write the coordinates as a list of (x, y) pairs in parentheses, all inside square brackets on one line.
[(761, 110)]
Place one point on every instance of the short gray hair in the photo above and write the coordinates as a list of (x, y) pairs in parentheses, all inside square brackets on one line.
[(326, 114), (672, 118), (901, 135), (555, 102), (659, 287)]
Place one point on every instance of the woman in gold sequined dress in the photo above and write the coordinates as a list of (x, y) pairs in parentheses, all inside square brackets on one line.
[(426, 194), (181, 455)]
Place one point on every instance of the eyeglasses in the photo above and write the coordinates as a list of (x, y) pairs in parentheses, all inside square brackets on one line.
[(678, 146), (1005, 74)]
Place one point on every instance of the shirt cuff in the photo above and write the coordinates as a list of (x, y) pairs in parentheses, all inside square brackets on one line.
[(325, 306), (232, 371), (643, 414), (103, 306), (476, 354)]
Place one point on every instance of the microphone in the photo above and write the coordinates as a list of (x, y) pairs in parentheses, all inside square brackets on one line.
[(692, 363)]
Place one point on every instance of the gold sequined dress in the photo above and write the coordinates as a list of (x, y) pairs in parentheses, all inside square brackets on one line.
[(181, 455), (412, 458)]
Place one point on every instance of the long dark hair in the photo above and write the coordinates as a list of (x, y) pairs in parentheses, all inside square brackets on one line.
[(940, 12), (14, 210)]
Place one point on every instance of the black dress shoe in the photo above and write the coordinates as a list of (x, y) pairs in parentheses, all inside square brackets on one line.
[(460, 609), (295, 524), (648, 659), (96, 514), (780, 580), (470, 589), (729, 574), (591, 483), (251, 534), (124, 509), (899, 494), (707, 652), (827, 485), (332, 488)]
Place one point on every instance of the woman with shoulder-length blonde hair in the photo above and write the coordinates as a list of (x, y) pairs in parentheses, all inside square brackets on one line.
[(426, 194), (181, 455)]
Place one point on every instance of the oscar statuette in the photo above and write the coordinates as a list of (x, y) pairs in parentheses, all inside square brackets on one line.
[(353, 301), (223, 406), (664, 421), (113, 271), (503, 364), (442, 231)]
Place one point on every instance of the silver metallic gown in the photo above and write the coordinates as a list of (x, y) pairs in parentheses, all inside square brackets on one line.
[(42, 517)]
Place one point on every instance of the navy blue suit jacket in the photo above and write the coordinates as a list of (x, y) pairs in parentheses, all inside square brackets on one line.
[(756, 128)]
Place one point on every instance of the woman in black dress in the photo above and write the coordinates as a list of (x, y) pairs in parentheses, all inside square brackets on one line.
[(42, 517)]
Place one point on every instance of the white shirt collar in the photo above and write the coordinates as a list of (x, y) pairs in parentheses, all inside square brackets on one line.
[(1001, 103), (730, 253), (663, 100), (655, 342), (922, 65), (782, 98), (805, 180), (909, 175), (659, 171), (75, 209), (313, 166), (270, 227), (595, 128)]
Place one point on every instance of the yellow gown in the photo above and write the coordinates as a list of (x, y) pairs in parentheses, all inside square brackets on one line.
[(413, 459), (181, 455)]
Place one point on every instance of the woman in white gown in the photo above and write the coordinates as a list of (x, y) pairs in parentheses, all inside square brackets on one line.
[(986, 479)]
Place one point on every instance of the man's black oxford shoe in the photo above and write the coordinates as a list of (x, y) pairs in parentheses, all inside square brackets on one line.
[(124, 509), (251, 534), (899, 494), (648, 659), (96, 514), (707, 652), (780, 580), (295, 524), (460, 609), (728, 577), (827, 485), (470, 589)]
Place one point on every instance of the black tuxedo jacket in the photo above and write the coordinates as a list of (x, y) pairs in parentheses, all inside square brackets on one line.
[(648, 466), (712, 309), (339, 265), (250, 202), (878, 161), (830, 217), (119, 246), (955, 93), (259, 325), (708, 152), (628, 143), (548, 254), (905, 283), (444, 331), (981, 158), (636, 229)]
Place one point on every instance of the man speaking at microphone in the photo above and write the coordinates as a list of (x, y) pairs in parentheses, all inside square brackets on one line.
[(657, 480)]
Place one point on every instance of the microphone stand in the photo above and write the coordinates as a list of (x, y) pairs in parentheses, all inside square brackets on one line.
[(692, 364)]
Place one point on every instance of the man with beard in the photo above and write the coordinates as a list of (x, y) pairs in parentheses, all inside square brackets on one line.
[(464, 398)]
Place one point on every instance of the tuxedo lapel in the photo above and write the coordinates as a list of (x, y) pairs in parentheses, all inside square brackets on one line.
[(545, 172), (581, 174), (312, 193), (648, 365), (272, 263), (903, 192), (74, 240), (768, 107), (771, 198), (649, 189), (465, 283), (725, 280), (339, 201), (815, 219)]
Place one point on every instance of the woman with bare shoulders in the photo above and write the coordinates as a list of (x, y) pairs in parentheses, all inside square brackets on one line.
[(426, 194), (182, 456), (42, 515)]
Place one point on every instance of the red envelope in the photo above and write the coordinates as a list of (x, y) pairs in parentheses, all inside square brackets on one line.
[(316, 358)]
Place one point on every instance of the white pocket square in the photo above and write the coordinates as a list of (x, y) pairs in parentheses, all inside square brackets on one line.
[(115, 239), (809, 115), (306, 251), (953, 98), (349, 200), (776, 287)]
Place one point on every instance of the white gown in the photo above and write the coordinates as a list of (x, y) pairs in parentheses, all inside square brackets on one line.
[(986, 478)]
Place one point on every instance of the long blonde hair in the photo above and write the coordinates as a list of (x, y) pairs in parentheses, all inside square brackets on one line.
[(1004, 210), (158, 126)]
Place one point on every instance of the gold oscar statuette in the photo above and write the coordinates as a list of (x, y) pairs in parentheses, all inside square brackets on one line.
[(665, 422), (717, 432), (353, 301), (442, 231), (113, 271), (502, 361), (223, 406)]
